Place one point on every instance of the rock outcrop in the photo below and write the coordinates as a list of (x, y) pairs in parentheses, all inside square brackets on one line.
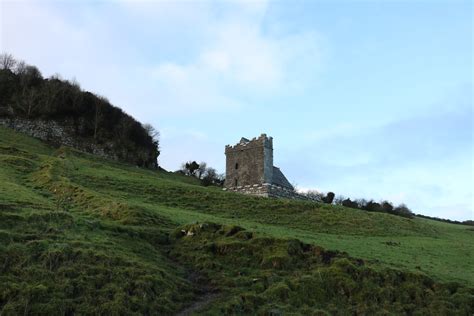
[(66, 131)]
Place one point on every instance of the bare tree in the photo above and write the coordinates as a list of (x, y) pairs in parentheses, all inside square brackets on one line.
[(20, 67), (209, 176), (53, 91), (362, 203), (27, 102), (201, 170), (315, 195), (96, 118), (76, 94), (7, 61), (152, 132), (56, 76), (338, 199)]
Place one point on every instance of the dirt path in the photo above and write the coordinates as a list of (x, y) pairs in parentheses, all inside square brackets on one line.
[(202, 301)]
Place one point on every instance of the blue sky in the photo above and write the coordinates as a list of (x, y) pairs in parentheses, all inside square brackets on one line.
[(369, 99)]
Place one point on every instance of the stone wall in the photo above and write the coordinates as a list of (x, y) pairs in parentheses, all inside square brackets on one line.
[(64, 132), (269, 190), (268, 160), (249, 162)]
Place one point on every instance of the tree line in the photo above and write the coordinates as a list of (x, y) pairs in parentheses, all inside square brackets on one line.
[(372, 206), (361, 204), (24, 93)]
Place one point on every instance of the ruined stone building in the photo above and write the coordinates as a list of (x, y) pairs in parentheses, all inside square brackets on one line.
[(250, 169)]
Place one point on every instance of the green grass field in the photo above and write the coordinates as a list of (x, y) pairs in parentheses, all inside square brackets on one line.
[(84, 235)]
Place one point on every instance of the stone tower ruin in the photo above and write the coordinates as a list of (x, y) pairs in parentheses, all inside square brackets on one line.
[(249, 169)]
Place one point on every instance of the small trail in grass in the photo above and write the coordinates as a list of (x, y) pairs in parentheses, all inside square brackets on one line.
[(201, 302), (207, 295)]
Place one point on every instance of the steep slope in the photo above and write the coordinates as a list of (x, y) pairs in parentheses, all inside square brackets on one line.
[(60, 112), (80, 234), (275, 276), (63, 253)]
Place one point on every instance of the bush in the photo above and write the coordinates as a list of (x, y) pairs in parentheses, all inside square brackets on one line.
[(349, 203), (207, 175), (190, 168), (403, 210), (372, 206), (329, 198)]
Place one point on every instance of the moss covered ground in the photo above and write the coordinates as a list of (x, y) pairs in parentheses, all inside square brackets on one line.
[(84, 235)]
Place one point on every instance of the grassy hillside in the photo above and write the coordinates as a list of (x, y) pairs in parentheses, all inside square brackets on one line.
[(79, 234)]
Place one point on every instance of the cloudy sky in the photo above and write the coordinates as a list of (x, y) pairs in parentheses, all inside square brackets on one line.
[(369, 99)]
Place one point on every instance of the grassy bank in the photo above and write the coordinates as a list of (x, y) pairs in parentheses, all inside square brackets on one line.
[(79, 234)]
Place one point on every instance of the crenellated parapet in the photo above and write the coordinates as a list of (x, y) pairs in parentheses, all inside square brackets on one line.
[(245, 144)]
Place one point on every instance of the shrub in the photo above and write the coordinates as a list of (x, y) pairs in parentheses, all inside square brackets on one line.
[(348, 203), (403, 210), (329, 198), (201, 171)]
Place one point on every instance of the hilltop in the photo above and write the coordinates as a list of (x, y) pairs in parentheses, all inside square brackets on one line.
[(60, 112), (82, 234)]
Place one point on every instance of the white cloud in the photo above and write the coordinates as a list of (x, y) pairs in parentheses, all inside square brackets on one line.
[(238, 59), (205, 56), (216, 60), (173, 73)]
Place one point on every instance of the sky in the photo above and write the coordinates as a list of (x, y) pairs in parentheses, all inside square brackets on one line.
[(368, 99)]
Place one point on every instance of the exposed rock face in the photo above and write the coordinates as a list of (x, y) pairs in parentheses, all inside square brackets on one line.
[(64, 132)]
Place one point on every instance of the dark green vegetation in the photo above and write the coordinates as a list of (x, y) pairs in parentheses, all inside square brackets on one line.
[(24, 93), (79, 234), (266, 274), (206, 175), (372, 206)]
